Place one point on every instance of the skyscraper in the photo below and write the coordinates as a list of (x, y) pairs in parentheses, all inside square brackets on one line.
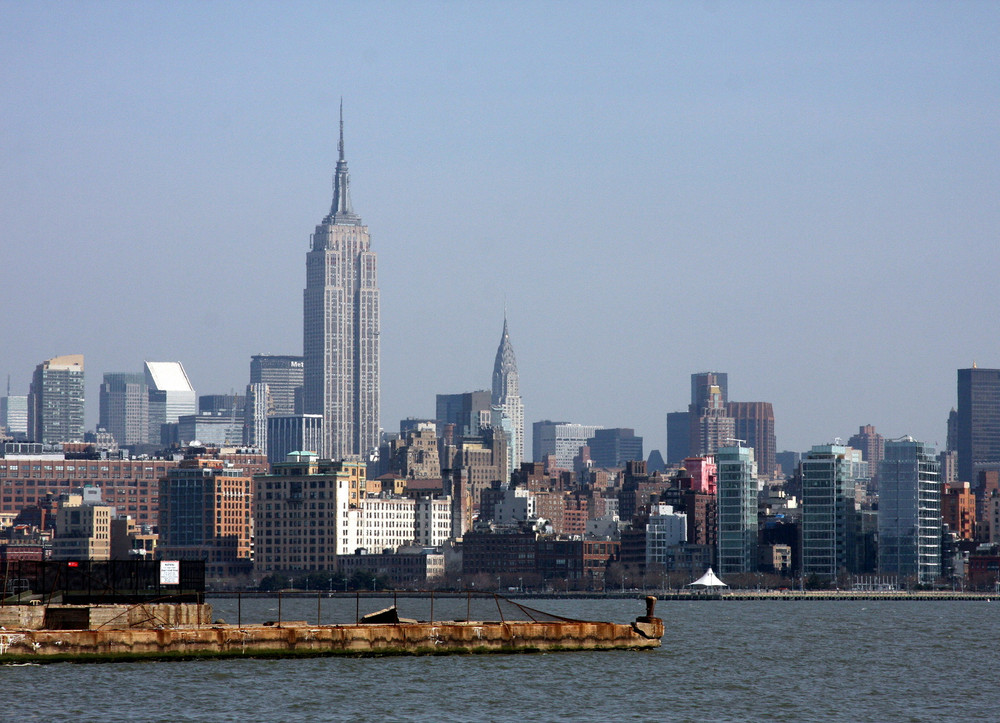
[(341, 326), (909, 511), (831, 474), (978, 420), (615, 447), (171, 396), (506, 398), (711, 425), (55, 400), (872, 446), (561, 440), (737, 509), (754, 423), (469, 412), (701, 390), (124, 407), (283, 376), (14, 414)]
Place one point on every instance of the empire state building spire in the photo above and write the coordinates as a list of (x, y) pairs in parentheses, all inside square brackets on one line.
[(340, 342), (341, 211)]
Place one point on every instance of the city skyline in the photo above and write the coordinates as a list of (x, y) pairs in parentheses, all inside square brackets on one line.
[(830, 166)]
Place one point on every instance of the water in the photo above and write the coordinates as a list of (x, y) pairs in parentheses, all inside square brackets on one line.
[(720, 661)]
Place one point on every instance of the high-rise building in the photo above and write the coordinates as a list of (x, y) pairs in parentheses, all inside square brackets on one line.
[(615, 447), (293, 433), (506, 399), (978, 433), (561, 440), (55, 400), (222, 404), (14, 414), (468, 411), (259, 406), (211, 430), (205, 514), (753, 422), (341, 326), (737, 509), (124, 407), (678, 437), (171, 396), (283, 376), (831, 476), (909, 511), (711, 425), (702, 392), (872, 446)]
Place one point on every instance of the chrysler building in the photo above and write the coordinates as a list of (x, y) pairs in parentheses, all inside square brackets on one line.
[(341, 326), (508, 411)]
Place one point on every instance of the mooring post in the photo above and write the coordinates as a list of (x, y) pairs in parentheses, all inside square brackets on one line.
[(319, 609), (279, 608), (239, 610), (432, 606), (357, 607)]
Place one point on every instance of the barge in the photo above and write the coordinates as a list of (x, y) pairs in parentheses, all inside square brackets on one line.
[(182, 632)]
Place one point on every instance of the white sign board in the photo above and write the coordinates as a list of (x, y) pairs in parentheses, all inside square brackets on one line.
[(170, 572)]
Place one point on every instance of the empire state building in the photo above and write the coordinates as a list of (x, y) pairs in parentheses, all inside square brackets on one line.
[(341, 326)]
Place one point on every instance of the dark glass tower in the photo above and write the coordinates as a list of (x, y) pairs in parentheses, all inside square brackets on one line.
[(978, 420)]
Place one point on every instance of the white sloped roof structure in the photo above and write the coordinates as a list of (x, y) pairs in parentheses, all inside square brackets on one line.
[(709, 579), (168, 377)]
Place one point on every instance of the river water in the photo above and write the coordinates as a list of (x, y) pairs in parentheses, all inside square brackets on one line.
[(720, 661)]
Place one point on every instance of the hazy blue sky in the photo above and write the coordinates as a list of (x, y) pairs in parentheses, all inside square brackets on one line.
[(803, 195)]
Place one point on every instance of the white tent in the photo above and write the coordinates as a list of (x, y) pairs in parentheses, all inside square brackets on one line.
[(709, 579)]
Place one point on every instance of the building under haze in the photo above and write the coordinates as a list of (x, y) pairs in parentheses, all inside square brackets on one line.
[(468, 411), (171, 396), (55, 400), (561, 440), (978, 420), (615, 447), (341, 326), (293, 433), (506, 400), (124, 407), (14, 414), (283, 376), (753, 422)]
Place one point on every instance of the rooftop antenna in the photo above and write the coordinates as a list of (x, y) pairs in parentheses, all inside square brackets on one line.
[(340, 145)]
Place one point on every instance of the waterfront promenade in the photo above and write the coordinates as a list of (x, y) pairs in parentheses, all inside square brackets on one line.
[(664, 594)]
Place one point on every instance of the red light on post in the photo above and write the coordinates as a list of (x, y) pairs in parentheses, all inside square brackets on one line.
[(73, 564)]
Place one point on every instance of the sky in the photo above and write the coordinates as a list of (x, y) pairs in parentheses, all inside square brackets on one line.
[(802, 195)]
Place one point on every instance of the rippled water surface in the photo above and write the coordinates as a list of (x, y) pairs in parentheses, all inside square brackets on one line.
[(720, 661)]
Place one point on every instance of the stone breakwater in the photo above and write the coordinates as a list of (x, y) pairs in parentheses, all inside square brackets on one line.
[(302, 639)]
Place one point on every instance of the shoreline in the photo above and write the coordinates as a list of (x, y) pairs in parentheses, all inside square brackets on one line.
[(662, 595)]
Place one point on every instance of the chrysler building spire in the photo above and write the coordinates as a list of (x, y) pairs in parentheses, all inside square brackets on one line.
[(508, 410)]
